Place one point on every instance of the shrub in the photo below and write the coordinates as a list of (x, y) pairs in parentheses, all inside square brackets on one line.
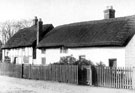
[(83, 62), (70, 60), (67, 60)]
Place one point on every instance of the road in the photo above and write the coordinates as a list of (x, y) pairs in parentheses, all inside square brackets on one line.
[(16, 85)]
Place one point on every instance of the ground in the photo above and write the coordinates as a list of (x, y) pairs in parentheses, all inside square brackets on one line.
[(16, 85)]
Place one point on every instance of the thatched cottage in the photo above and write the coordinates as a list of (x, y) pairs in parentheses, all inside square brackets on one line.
[(110, 40), (21, 48)]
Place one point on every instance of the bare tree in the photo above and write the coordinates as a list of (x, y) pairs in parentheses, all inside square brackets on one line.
[(9, 28)]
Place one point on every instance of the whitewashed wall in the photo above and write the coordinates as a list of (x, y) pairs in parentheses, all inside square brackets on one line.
[(51, 55), (39, 56), (19, 53), (101, 54), (130, 53), (94, 54)]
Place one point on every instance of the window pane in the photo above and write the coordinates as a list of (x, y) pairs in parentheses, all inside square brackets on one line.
[(43, 61)]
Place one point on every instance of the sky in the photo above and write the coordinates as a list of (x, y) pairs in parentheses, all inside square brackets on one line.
[(59, 12)]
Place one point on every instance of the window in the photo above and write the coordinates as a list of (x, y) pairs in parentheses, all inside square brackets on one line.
[(43, 51), (23, 51), (26, 59), (43, 61), (63, 50), (113, 62)]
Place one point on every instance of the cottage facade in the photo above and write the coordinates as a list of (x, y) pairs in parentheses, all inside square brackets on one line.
[(111, 41)]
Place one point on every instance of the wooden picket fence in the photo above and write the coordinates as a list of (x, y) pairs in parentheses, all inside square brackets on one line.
[(114, 77), (11, 70), (97, 76), (60, 73)]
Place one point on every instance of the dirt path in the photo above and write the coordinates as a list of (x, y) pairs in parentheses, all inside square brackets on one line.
[(15, 85)]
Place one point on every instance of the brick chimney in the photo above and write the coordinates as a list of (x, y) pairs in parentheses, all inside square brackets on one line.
[(109, 12), (39, 30), (35, 20)]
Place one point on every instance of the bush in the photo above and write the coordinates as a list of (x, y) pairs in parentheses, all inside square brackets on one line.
[(83, 62), (70, 60), (67, 60)]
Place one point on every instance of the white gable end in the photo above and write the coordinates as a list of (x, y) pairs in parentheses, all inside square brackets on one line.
[(130, 53)]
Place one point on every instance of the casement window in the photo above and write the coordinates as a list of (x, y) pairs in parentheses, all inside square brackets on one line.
[(63, 50), (43, 60), (43, 51), (113, 62)]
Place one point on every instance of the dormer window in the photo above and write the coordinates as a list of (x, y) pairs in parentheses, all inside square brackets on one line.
[(63, 50)]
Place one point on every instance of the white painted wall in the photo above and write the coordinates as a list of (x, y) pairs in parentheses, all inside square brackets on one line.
[(102, 54), (94, 54), (130, 53), (19, 53), (51, 55)]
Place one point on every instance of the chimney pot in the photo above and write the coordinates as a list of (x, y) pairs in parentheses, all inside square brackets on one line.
[(109, 12), (35, 21)]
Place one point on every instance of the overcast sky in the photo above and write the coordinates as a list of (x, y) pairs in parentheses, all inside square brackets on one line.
[(60, 12)]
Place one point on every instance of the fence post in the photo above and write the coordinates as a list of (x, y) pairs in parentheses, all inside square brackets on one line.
[(133, 78), (29, 71), (22, 71)]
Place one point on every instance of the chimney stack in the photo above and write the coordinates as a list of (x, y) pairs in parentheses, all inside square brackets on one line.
[(109, 12), (35, 20), (39, 30)]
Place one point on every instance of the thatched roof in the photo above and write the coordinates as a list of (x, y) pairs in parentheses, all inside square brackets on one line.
[(106, 32), (26, 37)]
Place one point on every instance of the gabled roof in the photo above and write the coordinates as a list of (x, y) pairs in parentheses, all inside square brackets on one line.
[(106, 32), (26, 37)]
